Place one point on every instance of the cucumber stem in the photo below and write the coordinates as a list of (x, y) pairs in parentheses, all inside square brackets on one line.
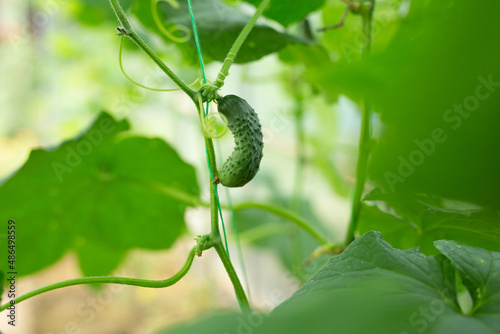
[(365, 140), (235, 48)]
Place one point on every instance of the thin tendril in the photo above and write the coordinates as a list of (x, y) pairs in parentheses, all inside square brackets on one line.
[(140, 85), (132, 80), (168, 31), (206, 127)]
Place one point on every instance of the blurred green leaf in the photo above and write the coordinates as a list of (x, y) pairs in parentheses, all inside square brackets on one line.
[(436, 89), (305, 56), (418, 223), (327, 166), (479, 270), (100, 195), (218, 24), (346, 43), (390, 290), (325, 151), (399, 233), (96, 12), (287, 12)]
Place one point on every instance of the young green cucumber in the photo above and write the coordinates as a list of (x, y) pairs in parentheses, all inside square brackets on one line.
[(243, 122)]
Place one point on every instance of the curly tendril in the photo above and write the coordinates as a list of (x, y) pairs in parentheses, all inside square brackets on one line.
[(213, 129), (169, 32)]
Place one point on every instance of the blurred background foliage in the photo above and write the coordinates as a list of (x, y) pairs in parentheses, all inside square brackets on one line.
[(433, 173)]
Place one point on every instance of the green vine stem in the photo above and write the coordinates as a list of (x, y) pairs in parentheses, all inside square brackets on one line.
[(365, 140), (300, 153), (233, 276), (261, 232), (128, 31), (169, 31), (301, 156), (235, 48), (109, 280), (120, 63)]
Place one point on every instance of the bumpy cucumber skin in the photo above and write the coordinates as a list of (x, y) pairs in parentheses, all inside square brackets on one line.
[(243, 122)]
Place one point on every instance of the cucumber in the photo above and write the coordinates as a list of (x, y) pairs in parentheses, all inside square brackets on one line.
[(243, 122)]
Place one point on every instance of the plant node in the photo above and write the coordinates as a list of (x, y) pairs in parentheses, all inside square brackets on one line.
[(203, 242), (356, 7), (121, 32), (209, 92)]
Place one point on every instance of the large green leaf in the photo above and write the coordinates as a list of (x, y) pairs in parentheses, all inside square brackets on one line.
[(374, 288), (218, 26), (436, 87), (372, 280), (99, 194), (419, 223), (286, 11)]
